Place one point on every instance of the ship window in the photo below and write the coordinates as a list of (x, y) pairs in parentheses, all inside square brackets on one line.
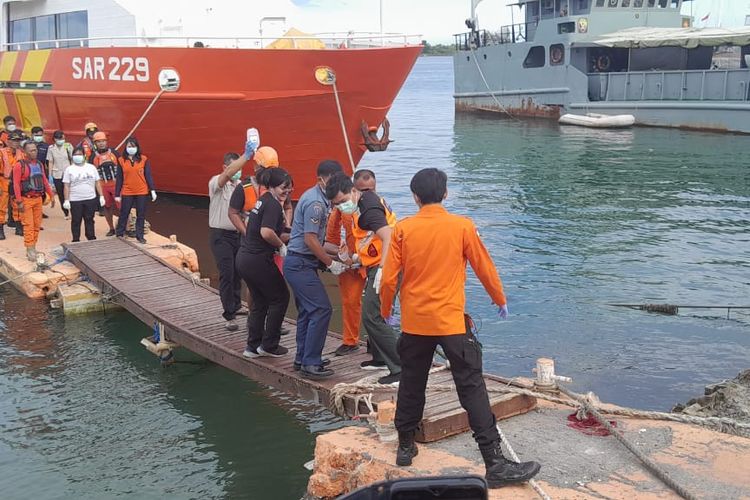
[(563, 28), (625, 3), (675, 4), (651, 3), (663, 4), (44, 29), (72, 25), (637, 4), (613, 3), (600, 3), (535, 57), (556, 54), (21, 31)]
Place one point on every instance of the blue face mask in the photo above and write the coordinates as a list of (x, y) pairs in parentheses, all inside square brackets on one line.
[(237, 176), (131, 150), (347, 207)]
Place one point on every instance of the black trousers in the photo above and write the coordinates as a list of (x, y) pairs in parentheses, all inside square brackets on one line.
[(59, 187), (83, 211), (465, 355), (128, 202), (225, 245), (270, 299)]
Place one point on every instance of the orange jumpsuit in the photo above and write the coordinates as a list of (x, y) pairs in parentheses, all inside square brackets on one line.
[(9, 159), (352, 282)]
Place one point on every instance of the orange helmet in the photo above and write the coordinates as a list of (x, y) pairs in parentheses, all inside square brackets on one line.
[(90, 126), (100, 136), (266, 157)]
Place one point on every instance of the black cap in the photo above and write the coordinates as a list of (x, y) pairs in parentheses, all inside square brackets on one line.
[(329, 167), (16, 135)]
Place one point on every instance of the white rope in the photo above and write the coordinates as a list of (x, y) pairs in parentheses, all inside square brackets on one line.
[(492, 94), (140, 120), (343, 126), (532, 482)]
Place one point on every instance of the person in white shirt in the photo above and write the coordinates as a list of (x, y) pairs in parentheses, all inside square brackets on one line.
[(223, 236), (59, 157), (82, 185)]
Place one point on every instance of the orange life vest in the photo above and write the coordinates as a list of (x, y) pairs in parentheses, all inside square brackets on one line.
[(369, 245), (251, 196), (134, 177), (106, 165), (9, 159)]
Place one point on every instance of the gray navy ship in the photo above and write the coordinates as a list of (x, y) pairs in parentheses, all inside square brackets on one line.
[(607, 57)]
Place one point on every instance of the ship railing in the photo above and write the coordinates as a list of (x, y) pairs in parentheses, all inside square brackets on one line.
[(688, 85), (512, 33), (331, 40)]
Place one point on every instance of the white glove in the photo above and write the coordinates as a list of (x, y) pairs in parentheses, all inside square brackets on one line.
[(153, 195), (118, 199), (336, 268), (355, 258), (102, 201), (66, 204), (282, 250), (376, 280)]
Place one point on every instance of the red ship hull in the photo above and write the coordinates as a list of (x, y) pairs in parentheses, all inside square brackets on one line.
[(222, 93)]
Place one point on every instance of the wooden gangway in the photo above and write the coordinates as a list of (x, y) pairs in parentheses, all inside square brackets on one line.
[(190, 312)]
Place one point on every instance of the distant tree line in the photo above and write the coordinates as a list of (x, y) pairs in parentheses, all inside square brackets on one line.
[(437, 49)]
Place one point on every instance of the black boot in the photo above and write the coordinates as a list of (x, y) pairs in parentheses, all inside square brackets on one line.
[(501, 471), (407, 449), (2, 231), (19, 229)]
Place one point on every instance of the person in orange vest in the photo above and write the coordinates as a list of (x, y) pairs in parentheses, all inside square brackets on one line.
[(10, 156), (429, 252), (134, 184), (106, 161), (352, 281), (247, 193), (87, 143), (9, 125), (372, 225), (31, 187)]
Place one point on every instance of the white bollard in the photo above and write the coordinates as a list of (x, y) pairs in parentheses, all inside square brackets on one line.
[(545, 375)]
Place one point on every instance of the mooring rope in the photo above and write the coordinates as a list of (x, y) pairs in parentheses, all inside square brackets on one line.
[(720, 424), (486, 84), (652, 466), (532, 482)]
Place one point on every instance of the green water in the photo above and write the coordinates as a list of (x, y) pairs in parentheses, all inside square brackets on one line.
[(574, 219)]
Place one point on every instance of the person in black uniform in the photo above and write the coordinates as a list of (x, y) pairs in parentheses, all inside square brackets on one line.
[(264, 237)]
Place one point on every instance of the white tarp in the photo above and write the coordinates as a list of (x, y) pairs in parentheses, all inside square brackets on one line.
[(689, 38)]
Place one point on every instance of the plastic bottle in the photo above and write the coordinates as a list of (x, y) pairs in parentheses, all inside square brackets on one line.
[(253, 136)]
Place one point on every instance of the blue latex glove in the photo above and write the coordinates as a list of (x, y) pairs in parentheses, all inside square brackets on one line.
[(250, 148), (503, 311)]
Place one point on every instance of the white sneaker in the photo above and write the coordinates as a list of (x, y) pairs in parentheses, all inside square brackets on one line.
[(231, 325), (248, 353)]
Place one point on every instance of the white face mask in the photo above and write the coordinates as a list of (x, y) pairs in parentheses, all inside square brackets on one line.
[(11, 127), (347, 207), (78, 159), (38, 138), (131, 150), (59, 142)]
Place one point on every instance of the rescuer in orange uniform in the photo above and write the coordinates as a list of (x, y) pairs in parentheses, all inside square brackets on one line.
[(9, 125), (10, 156), (430, 251), (134, 183), (31, 188), (352, 281), (247, 193), (87, 143), (106, 161)]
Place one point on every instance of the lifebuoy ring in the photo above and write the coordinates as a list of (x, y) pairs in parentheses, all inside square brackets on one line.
[(603, 62), (556, 55)]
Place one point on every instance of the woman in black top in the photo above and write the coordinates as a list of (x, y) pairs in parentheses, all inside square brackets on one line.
[(265, 237)]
